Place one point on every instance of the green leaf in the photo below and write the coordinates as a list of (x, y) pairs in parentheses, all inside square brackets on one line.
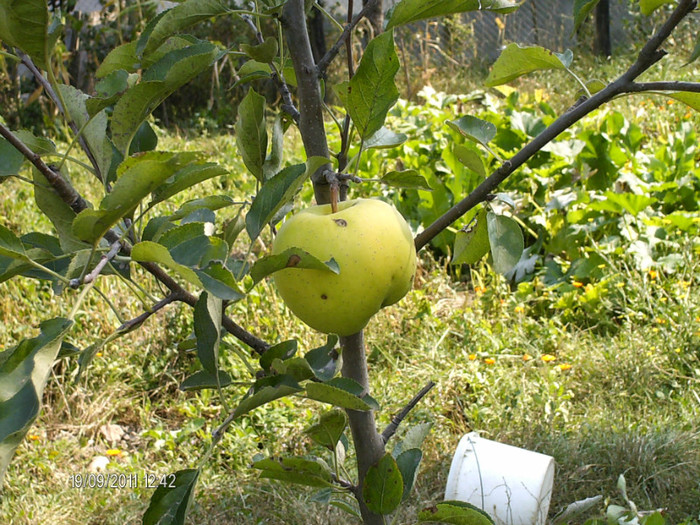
[(219, 281), (138, 176), (122, 57), (207, 330), (336, 396), (384, 139), (408, 11), (185, 178), (383, 486), (696, 51), (516, 61), (171, 501), (469, 158), (408, 463), (264, 52), (266, 390), (629, 202), (39, 145), (109, 89), (649, 6), (689, 98), (181, 16), (371, 92), (25, 24), (475, 129), (582, 8), (173, 70), (10, 245), (309, 471), (11, 160), (413, 438), (472, 245), (290, 258), (211, 202), (251, 133), (324, 360), (284, 350), (329, 428), (149, 251), (411, 179), (506, 240), (274, 194), (202, 380), (24, 371), (274, 160), (455, 513)]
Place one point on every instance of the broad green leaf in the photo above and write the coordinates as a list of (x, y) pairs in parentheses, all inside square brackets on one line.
[(312, 472), (25, 24), (145, 139), (336, 396), (202, 380), (582, 8), (470, 158), (324, 360), (10, 245), (618, 202), (413, 438), (296, 367), (273, 161), (384, 138), (383, 486), (219, 281), (185, 178), (290, 258), (283, 351), (696, 51), (516, 61), (407, 11), (264, 52), (267, 389), (178, 18), (411, 179), (455, 513), (329, 428), (251, 133), (122, 57), (11, 160), (475, 129), (649, 6), (408, 463), (173, 70), (149, 251), (472, 245), (109, 89), (506, 240), (371, 92), (689, 98), (24, 371), (39, 145), (171, 501), (207, 330), (211, 202), (138, 176)]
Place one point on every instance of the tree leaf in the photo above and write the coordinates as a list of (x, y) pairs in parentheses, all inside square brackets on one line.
[(384, 138), (251, 133), (149, 251), (689, 98), (647, 7), (411, 179), (11, 160), (185, 178), (171, 500), (324, 360), (408, 462), (506, 239), (696, 51), (472, 245), (24, 371), (25, 24), (284, 350), (211, 202), (290, 258), (265, 52), (371, 92), (413, 438), (274, 160), (383, 486), (219, 281), (266, 390), (202, 380), (408, 11), (334, 395), (207, 330), (470, 158), (516, 61), (329, 428), (475, 129), (312, 472), (10, 245), (455, 513), (582, 8)]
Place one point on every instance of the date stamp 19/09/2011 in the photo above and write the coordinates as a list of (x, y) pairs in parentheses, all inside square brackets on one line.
[(117, 480)]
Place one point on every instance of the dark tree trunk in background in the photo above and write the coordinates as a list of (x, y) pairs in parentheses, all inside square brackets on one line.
[(375, 16), (317, 33), (602, 28)]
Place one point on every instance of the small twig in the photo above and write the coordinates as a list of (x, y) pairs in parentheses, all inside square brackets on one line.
[(335, 49), (277, 77), (131, 324), (693, 87), (111, 254), (391, 429)]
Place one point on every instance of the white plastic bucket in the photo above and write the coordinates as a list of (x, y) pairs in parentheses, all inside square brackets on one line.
[(513, 485)]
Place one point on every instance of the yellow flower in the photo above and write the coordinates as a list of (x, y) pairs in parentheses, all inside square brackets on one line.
[(577, 284), (564, 367), (113, 452), (527, 357), (33, 437), (98, 354), (519, 309), (653, 274), (489, 361), (479, 290), (660, 320), (548, 358), (621, 285), (472, 357)]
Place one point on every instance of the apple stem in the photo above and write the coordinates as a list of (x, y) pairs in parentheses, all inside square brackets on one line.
[(334, 197)]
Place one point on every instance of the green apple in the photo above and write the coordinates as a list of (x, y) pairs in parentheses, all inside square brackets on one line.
[(373, 246)]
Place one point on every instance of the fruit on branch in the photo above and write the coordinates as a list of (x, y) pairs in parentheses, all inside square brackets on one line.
[(373, 246)]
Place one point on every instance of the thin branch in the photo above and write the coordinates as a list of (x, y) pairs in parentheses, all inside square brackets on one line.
[(648, 56), (692, 87), (111, 254), (27, 61), (131, 324), (391, 429), (277, 77), (335, 48)]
